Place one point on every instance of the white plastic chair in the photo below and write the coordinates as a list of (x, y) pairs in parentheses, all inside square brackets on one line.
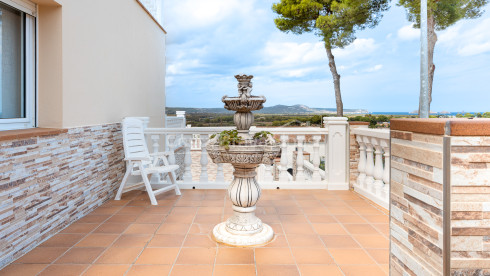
[(141, 162)]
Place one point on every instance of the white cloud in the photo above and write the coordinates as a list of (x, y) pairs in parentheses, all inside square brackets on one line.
[(183, 67), (408, 33), (360, 47), (467, 39), (375, 68)]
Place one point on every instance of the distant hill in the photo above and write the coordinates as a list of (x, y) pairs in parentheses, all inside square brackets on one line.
[(277, 109)]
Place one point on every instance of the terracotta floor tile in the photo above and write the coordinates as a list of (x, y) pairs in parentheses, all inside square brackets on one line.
[(184, 210), (210, 211), (150, 218), (350, 256), (62, 240), (377, 218), (129, 240), (373, 241), (361, 270), (111, 228), (321, 219), (282, 270), (227, 255), (192, 270), (298, 228), (384, 228), (64, 270), (121, 202), (196, 256), (312, 256), (339, 241), (149, 270), (289, 210), (381, 256), (80, 228), (162, 210), (299, 240), (22, 269), (173, 228), (385, 268), (42, 255), (289, 218), (131, 210), (201, 228), (158, 256), (278, 241), (361, 229), (141, 228), (329, 229), (176, 218), (368, 211), (106, 270), (166, 241), (80, 255), (273, 256), (341, 211), (93, 218), (277, 228), (199, 241), (119, 255), (106, 210), (350, 219), (127, 218), (320, 270), (318, 210), (208, 219), (234, 270), (97, 240)]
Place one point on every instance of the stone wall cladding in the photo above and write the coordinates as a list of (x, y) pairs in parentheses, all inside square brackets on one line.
[(48, 182), (470, 205), (416, 204)]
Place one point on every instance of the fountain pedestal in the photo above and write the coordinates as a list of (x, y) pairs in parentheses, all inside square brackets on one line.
[(243, 228)]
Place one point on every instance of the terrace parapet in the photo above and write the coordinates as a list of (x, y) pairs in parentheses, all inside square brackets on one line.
[(440, 196)]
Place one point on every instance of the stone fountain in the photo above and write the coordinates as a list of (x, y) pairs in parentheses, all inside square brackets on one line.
[(243, 228)]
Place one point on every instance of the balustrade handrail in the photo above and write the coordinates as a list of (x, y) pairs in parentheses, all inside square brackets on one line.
[(213, 130), (373, 132)]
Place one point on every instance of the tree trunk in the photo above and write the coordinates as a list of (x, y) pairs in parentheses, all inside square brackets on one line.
[(336, 81), (432, 39)]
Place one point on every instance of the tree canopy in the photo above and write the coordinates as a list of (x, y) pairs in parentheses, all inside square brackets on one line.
[(445, 12), (335, 21)]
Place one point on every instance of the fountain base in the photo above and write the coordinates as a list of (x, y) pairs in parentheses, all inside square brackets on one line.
[(222, 235)]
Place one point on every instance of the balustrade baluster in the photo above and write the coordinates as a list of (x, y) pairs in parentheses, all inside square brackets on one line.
[(361, 167), (155, 145), (284, 175), (187, 159), (378, 167), (316, 159), (171, 149), (386, 174), (220, 177), (204, 159), (368, 182), (300, 176), (268, 173)]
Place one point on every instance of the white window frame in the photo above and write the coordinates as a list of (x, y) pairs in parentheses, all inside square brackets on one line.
[(30, 67)]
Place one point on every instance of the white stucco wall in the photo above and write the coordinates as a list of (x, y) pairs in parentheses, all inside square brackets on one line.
[(112, 64)]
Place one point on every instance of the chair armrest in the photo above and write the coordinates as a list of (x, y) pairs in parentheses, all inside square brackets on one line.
[(157, 154), (137, 159)]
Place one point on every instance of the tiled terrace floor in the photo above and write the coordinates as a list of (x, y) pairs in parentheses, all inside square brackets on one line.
[(318, 233)]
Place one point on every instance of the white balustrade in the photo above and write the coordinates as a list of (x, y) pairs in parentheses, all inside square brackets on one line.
[(204, 159), (374, 173), (308, 173), (300, 176)]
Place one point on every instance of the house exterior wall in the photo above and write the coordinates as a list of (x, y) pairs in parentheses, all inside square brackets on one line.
[(109, 61), (48, 182)]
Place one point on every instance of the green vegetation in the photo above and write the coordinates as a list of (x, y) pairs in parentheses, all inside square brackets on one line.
[(336, 22), (227, 138), (477, 115), (440, 15)]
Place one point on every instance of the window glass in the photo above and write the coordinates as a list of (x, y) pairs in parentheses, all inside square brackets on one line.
[(12, 94)]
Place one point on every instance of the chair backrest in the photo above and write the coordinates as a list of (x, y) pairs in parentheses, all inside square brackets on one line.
[(134, 139)]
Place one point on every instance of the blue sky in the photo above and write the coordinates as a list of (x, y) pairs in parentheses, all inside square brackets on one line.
[(210, 41)]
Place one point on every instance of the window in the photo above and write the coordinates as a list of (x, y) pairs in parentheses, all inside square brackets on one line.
[(17, 68)]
